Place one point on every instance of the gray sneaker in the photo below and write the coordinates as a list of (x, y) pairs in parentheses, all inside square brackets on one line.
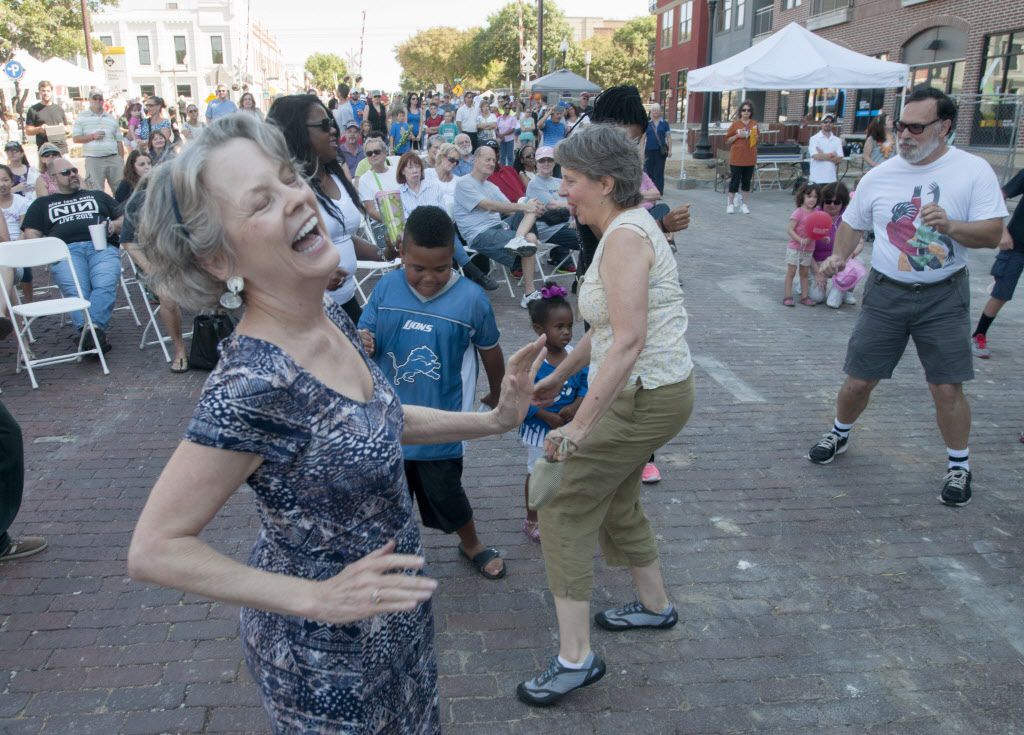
[(557, 681), (635, 615)]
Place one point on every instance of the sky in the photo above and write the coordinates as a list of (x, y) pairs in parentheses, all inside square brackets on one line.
[(304, 27)]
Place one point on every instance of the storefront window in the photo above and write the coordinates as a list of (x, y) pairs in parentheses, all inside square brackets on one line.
[(825, 101), (680, 94)]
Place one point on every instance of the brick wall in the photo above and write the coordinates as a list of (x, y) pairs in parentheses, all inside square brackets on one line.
[(884, 26)]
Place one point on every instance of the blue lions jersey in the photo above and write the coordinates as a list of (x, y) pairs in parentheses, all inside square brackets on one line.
[(427, 347)]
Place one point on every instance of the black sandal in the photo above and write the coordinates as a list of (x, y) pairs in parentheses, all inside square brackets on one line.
[(481, 560)]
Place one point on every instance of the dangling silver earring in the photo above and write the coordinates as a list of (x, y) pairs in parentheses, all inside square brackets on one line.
[(230, 298)]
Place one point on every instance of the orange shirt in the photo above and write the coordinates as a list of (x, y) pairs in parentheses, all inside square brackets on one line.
[(743, 151)]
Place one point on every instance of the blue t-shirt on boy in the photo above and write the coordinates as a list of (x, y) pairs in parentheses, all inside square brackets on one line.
[(426, 348)]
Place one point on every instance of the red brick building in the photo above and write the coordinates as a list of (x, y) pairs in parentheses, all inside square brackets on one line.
[(965, 47), (680, 44)]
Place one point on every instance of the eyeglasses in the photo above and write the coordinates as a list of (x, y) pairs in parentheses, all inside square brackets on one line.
[(375, 152), (49, 153), (545, 160), (915, 128), (97, 97), (453, 161), (527, 158), (831, 201), (747, 109), (68, 171), (325, 125)]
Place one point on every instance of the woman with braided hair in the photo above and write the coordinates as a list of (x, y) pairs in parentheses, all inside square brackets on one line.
[(312, 138)]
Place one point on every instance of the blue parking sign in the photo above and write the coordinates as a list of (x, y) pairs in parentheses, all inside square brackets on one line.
[(14, 69)]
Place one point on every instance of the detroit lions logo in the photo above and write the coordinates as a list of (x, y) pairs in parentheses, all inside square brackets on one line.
[(421, 361)]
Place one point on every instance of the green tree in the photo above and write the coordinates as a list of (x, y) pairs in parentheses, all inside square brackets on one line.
[(326, 70), (621, 59), (437, 55), (497, 46), (44, 28)]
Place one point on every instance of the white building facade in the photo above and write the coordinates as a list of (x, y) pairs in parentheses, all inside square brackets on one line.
[(183, 49)]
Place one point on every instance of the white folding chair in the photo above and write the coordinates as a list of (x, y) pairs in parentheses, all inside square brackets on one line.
[(125, 283), (505, 271), (38, 252), (154, 322), (373, 268), (773, 179)]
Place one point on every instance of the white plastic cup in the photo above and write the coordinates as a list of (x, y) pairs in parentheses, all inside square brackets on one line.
[(98, 233)]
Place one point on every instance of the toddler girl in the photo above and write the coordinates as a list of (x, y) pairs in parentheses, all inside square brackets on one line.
[(552, 316), (799, 254)]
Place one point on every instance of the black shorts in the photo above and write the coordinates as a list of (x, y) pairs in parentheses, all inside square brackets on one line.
[(1006, 269), (437, 486)]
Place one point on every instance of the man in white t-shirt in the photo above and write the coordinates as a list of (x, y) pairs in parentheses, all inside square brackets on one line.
[(466, 117), (826, 151), (926, 207)]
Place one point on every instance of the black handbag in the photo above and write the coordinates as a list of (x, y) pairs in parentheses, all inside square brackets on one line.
[(555, 216), (207, 332)]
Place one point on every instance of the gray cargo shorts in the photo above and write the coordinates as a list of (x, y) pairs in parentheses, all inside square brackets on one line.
[(935, 315)]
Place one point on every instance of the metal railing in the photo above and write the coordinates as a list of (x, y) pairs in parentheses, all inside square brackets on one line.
[(763, 20)]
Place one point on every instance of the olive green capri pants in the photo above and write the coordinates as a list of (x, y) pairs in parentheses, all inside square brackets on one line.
[(599, 500)]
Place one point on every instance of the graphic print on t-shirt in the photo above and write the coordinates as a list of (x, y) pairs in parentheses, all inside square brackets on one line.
[(921, 247), (63, 212), (419, 361)]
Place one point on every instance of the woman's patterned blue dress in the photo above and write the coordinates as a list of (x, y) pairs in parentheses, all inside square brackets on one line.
[(331, 489)]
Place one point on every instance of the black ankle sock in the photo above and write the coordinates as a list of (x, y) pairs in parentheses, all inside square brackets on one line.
[(983, 324)]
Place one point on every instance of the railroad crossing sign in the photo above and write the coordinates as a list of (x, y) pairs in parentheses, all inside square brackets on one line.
[(14, 70), (457, 90), (527, 60)]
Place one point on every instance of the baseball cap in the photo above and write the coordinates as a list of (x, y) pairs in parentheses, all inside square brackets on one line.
[(545, 151), (12, 145), (48, 148), (352, 124), (828, 118)]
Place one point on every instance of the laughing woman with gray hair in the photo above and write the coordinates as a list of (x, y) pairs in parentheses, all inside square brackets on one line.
[(641, 395), (336, 623)]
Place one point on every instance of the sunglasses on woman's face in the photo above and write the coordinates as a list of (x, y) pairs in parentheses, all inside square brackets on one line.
[(325, 125), (830, 201), (747, 109), (453, 161)]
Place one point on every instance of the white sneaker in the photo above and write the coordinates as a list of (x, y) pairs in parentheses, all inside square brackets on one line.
[(528, 298), (521, 246), (730, 209), (849, 298), (744, 208), (835, 297)]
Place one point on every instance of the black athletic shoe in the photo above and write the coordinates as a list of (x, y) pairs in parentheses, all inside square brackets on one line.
[(828, 448), (556, 681), (956, 487)]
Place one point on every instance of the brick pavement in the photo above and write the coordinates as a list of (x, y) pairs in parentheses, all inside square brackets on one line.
[(839, 599)]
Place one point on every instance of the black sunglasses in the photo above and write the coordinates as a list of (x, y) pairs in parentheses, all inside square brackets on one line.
[(453, 160), (375, 152), (325, 125), (915, 128), (831, 201), (68, 171)]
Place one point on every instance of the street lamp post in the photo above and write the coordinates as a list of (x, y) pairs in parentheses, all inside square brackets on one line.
[(703, 149), (564, 48), (586, 60)]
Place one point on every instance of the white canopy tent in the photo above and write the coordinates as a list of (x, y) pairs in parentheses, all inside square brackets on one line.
[(796, 58), (62, 72)]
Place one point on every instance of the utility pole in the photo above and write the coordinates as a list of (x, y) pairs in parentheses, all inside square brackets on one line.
[(88, 34), (362, 35), (540, 36)]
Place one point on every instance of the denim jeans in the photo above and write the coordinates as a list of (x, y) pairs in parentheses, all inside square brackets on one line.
[(461, 256), (507, 154), (492, 242), (98, 273)]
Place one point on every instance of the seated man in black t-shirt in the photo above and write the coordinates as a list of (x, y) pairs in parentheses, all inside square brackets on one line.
[(67, 215)]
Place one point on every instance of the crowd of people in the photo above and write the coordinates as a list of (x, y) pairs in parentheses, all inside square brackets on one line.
[(341, 415)]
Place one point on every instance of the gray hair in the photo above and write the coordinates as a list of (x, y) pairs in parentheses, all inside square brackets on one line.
[(605, 150), (179, 225)]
